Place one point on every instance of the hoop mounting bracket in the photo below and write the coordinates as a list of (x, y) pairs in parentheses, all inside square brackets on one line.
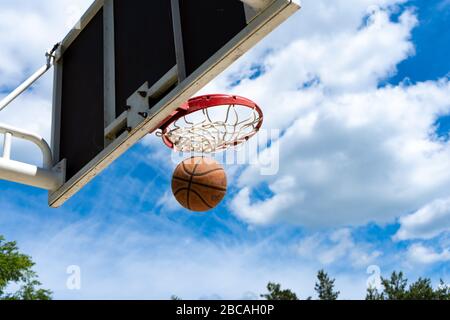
[(138, 103)]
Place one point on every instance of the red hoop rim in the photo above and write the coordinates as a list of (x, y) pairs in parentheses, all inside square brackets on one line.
[(205, 102)]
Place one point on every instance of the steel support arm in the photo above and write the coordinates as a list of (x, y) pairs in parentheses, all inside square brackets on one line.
[(31, 80), (44, 177)]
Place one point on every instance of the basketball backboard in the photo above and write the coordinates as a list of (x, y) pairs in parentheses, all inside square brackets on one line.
[(129, 64)]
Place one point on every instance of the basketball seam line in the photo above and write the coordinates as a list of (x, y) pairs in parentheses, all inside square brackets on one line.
[(201, 198), (179, 190), (207, 172), (197, 194), (186, 171), (189, 186), (201, 184)]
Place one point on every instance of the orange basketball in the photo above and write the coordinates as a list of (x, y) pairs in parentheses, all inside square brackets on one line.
[(199, 184)]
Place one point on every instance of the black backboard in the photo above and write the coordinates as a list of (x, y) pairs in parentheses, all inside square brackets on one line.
[(122, 46)]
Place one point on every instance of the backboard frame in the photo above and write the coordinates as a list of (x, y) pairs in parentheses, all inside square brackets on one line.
[(259, 25)]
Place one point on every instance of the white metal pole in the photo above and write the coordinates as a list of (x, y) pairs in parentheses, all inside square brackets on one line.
[(15, 171), (34, 138), (44, 177), (50, 55), (24, 86), (29, 175), (7, 146)]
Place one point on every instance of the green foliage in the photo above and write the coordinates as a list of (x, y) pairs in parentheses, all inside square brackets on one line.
[(16, 268), (373, 294), (442, 292), (275, 293), (396, 288), (325, 287), (422, 289)]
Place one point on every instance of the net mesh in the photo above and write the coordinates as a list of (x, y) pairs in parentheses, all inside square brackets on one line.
[(213, 129)]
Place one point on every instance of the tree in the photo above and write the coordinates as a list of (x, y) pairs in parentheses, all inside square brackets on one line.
[(16, 268), (422, 289), (275, 293), (373, 294), (395, 287), (442, 292), (325, 287)]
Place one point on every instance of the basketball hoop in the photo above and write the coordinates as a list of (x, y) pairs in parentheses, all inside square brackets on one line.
[(211, 123)]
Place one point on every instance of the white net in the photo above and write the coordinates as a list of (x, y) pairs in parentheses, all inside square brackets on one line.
[(213, 129)]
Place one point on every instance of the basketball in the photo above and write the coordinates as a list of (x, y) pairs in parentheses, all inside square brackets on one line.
[(199, 184)]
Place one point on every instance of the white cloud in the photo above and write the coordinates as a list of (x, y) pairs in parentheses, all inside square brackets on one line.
[(131, 260), (351, 153), (168, 203), (360, 158), (345, 62), (424, 255), (426, 223), (339, 246), (27, 31), (131, 254), (355, 153)]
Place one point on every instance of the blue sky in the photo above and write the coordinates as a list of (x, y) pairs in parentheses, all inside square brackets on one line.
[(429, 62), (363, 177)]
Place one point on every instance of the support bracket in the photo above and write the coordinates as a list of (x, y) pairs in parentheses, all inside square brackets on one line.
[(46, 177)]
